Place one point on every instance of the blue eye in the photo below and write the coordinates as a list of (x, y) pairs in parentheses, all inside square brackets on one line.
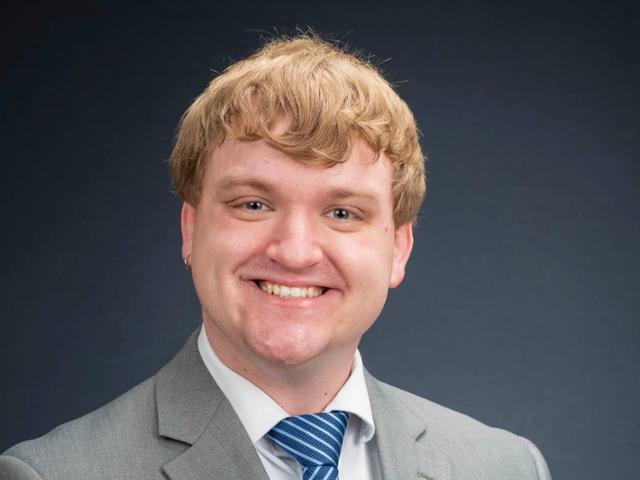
[(341, 214), (254, 205)]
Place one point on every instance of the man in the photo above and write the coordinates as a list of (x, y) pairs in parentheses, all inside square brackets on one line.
[(301, 176)]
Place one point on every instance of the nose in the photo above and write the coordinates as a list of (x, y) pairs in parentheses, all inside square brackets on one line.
[(295, 242)]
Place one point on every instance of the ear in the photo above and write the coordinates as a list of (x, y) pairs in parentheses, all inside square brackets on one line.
[(187, 225), (403, 243)]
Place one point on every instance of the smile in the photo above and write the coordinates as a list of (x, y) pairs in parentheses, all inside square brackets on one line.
[(286, 291)]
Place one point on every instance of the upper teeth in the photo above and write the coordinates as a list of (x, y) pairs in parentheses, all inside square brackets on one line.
[(286, 291)]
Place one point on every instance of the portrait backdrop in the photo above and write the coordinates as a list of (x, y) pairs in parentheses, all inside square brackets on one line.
[(520, 305)]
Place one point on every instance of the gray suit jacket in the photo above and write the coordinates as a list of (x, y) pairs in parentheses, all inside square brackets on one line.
[(179, 426)]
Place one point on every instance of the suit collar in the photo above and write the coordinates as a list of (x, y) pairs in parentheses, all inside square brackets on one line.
[(193, 410), (402, 438)]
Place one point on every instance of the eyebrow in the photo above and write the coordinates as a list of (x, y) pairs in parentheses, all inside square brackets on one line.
[(337, 193), (340, 193), (235, 182)]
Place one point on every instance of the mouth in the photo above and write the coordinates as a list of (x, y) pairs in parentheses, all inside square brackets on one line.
[(290, 291)]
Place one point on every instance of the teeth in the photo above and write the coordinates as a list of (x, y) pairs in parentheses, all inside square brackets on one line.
[(285, 291)]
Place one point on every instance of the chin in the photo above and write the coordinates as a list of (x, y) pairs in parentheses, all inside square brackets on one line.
[(290, 351)]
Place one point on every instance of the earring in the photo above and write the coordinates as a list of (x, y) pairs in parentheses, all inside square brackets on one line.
[(187, 262)]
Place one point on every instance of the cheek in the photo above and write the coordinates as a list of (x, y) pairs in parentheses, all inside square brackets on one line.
[(367, 265), (369, 259), (223, 241), (217, 251)]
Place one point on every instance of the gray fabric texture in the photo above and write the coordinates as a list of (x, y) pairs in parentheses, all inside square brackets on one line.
[(178, 425)]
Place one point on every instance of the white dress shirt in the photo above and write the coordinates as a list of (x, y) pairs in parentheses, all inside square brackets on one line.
[(259, 413)]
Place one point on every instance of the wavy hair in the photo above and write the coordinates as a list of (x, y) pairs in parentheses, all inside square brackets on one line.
[(328, 96)]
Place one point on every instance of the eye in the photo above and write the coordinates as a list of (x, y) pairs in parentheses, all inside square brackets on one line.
[(254, 205), (249, 208), (341, 214)]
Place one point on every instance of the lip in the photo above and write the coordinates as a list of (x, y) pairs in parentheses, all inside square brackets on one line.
[(289, 282), (328, 295)]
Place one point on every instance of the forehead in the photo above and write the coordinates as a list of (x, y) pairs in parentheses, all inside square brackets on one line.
[(253, 163)]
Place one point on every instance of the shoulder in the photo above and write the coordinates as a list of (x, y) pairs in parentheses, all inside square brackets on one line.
[(475, 446), (437, 416), (81, 447)]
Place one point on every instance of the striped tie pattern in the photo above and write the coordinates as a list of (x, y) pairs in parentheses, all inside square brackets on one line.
[(314, 441)]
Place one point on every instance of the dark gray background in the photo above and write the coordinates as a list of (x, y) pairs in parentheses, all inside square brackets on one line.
[(520, 305)]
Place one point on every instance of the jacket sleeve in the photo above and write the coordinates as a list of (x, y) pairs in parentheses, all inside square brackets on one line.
[(12, 468), (541, 465)]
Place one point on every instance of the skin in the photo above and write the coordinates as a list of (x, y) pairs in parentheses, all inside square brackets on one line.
[(264, 216)]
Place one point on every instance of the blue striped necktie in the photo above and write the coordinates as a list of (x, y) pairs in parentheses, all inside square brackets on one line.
[(314, 441)]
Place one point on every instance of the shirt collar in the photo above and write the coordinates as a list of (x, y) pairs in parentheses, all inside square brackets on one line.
[(259, 413)]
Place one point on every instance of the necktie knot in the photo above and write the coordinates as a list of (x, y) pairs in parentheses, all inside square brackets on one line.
[(314, 441)]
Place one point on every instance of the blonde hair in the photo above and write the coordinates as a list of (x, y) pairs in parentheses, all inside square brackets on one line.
[(328, 97)]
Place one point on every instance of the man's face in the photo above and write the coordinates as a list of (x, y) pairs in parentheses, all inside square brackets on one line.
[(292, 263)]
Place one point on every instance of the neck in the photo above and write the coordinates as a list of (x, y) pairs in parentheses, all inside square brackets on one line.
[(298, 389)]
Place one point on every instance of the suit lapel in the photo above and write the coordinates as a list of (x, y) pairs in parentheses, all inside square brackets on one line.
[(193, 410), (401, 439)]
